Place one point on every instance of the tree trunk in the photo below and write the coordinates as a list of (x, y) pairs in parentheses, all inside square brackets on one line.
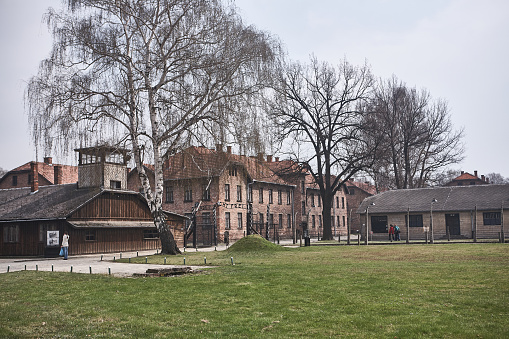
[(326, 215), (168, 244)]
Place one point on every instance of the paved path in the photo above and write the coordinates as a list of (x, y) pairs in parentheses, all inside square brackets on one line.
[(84, 264), (99, 263)]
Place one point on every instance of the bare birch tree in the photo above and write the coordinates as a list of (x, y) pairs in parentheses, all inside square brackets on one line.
[(144, 74), (319, 111)]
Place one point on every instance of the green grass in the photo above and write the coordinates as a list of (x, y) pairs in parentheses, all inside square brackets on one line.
[(410, 291)]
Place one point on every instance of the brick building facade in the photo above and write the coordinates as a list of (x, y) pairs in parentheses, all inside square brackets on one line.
[(47, 174), (232, 195)]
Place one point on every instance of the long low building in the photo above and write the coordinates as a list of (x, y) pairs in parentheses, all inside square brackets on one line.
[(98, 212), (438, 213)]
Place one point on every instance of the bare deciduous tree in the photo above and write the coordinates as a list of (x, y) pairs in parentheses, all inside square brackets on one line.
[(147, 75), (497, 178), (319, 110), (418, 137)]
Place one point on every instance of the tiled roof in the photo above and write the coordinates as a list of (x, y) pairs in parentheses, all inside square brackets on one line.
[(201, 162), (49, 202), (70, 173), (466, 176), (449, 199), (366, 187)]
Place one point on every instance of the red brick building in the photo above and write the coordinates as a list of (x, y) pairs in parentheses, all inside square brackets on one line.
[(47, 174), (228, 196), (357, 192), (467, 179)]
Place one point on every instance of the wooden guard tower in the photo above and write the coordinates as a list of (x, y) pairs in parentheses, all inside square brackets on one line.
[(103, 166)]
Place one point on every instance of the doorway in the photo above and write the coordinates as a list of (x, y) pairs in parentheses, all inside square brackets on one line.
[(452, 222), (379, 224)]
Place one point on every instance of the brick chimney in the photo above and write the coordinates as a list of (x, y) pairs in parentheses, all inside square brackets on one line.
[(475, 173), (277, 159), (483, 178), (229, 149), (35, 176), (58, 175), (260, 156), (219, 147), (48, 160), (269, 158)]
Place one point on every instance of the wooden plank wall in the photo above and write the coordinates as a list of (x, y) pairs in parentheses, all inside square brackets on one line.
[(109, 240), (114, 207)]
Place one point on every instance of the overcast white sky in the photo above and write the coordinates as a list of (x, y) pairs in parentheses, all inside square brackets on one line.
[(456, 49)]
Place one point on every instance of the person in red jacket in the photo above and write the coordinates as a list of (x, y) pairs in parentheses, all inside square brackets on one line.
[(391, 232)]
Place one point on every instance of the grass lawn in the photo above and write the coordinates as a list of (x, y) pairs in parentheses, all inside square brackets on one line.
[(404, 291)]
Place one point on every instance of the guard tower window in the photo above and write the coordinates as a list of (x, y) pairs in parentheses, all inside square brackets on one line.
[(115, 185), (114, 158)]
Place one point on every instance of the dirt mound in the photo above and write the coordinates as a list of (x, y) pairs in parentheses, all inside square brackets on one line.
[(254, 243)]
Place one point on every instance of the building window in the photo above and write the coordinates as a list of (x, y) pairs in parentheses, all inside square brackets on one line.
[(239, 220), (270, 196), (312, 200), (343, 202), (114, 158), (279, 197), (352, 191), (332, 221), (115, 184), (319, 221), (271, 220), (303, 187), (206, 193), (239, 193), (303, 208), (280, 220), (288, 198), (339, 224), (289, 220), (249, 193), (260, 217), (14, 180), (233, 171), (337, 202), (227, 222), (226, 192), (313, 221), (344, 224), (319, 198), (206, 218), (188, 193), (90, 235), (169, 193), (415, 220), (260, 195), (11, 234), (491, 218), (90, 159), (150, 234)]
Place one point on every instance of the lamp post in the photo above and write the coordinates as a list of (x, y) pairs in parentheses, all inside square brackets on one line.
[(367, 222), (431, 220)]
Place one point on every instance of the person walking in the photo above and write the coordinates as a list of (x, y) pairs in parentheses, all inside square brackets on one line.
[(391, 232), (65, 245), (397, 232)]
